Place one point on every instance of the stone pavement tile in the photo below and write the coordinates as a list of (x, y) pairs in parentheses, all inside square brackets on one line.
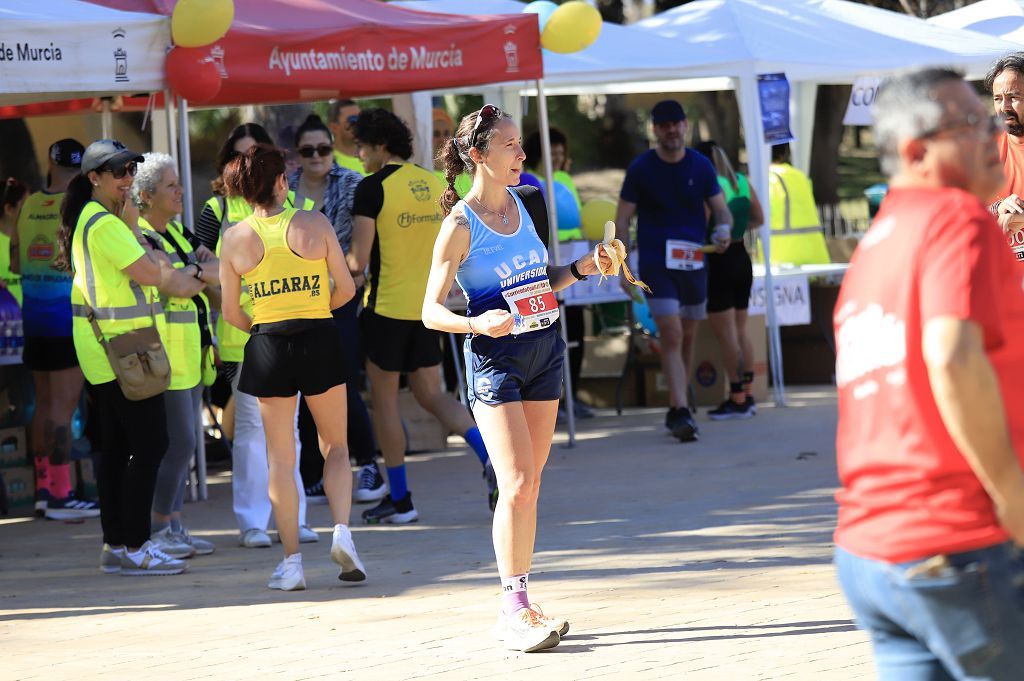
[(704, 561)]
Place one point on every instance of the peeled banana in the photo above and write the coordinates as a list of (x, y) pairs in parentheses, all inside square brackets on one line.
[(616, 250)]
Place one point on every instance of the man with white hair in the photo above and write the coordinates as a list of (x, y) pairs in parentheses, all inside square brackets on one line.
[(929, 368)]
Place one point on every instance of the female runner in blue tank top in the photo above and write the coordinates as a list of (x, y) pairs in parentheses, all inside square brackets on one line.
[(514, 354)]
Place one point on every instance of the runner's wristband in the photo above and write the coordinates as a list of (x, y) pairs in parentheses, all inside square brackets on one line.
[(576, 273)]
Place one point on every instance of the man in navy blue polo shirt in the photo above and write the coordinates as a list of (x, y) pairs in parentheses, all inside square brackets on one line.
[(669, 189)]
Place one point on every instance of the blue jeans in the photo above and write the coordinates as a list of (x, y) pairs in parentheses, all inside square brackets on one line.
[(958, 617)]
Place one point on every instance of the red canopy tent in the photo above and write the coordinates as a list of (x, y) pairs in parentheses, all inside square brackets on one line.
[(300, 50)]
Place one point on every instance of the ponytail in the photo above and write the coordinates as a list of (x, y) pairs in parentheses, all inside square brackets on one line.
[(451, 159), (455, 154), (79, 193)]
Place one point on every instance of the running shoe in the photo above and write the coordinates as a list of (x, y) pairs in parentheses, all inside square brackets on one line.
[(526, 631), (492, 486), (288, 575), (343, 552), (150, 560), (307, 535), (558, 625), (315, 495), (683, 426), (201, 546), (371, 486), (730, 410), (110, 559), (582, 410), (43, 498), (169, 543), (751, 404), (71, 508), (254, 538), (389, 511)]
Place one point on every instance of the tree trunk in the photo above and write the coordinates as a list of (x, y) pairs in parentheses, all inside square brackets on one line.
[(721, 113), (829, 110), (17, 155)]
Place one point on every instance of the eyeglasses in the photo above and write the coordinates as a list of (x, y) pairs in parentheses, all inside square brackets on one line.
[(488, 113), (984, 125), (128, 169), (307, 150)]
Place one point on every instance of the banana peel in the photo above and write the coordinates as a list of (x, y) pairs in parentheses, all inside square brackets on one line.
[(616, 251)]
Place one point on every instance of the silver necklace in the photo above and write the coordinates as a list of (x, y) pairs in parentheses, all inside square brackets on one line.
[(503, 216)]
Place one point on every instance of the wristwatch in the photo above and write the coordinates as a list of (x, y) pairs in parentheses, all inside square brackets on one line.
[(576, 273), (199, 271)]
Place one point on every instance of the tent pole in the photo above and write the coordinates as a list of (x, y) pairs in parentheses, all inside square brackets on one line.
[(106, 119), (185, 160), (172, 137), (549, 181)]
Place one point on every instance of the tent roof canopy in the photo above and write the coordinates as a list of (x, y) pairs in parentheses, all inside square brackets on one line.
[(1001, 18), (294, 50)]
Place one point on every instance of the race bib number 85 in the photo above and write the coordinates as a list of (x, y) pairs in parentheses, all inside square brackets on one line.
[(533, 305)]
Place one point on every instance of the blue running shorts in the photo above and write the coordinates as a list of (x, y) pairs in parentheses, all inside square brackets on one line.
[(522, 368)]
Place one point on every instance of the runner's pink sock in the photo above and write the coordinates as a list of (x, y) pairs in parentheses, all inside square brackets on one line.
[(513, 593), (60, 480)]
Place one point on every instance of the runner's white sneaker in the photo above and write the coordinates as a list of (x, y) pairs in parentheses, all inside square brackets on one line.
[(526, 631), (254, 538), (288, 576), (150, 560), (307, 535), (343, 552), (110, 559), (171, 544)]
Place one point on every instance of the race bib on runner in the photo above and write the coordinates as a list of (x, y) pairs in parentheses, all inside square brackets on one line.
[(683, 255), (532, 305)]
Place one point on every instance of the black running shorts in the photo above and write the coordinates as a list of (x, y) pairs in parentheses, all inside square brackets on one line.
[(730, 278), (307, 360), (402, 345), (49, 354)]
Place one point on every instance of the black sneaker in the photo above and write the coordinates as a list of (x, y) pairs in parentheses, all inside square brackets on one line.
[(315, 495), (371, 486), (389, 511), (731, 410), (682, 425), (751, 404), (492, 486)]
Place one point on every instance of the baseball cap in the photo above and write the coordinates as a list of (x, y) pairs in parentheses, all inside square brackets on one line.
[(107, 152), (667, 111), (67, 153)]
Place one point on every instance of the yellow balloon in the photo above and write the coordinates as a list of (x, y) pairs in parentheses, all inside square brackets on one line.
[(571, 28), (594, 214), (197, 23)]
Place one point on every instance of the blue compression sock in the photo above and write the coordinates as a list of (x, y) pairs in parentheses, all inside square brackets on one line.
[(476, 441), (398, 483)]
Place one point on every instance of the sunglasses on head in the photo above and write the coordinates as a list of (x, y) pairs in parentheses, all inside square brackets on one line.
[(488, 113), (128, 169), (308, 150)]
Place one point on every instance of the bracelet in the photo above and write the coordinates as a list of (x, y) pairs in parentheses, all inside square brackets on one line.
[(469, 321), (199, 271), (576, 273)]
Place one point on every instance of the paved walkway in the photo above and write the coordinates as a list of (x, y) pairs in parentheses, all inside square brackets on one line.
[(704, 561)]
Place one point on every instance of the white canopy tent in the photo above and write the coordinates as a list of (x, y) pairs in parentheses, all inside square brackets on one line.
[(999, 18), (65, 49), (732, 41)]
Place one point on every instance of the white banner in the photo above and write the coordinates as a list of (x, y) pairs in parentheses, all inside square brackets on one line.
[(792, 299), (862, 97), (64, 47)]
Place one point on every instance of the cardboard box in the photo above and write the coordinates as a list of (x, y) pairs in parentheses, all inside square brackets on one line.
[(17, 491), (13, 448), (709, 377)]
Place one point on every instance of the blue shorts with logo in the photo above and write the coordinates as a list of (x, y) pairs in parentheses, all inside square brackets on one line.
[(527, 367)]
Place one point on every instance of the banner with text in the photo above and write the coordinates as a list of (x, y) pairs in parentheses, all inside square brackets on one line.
[(792, 299)]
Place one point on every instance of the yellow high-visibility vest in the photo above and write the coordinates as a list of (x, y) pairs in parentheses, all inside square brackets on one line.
[(796, 234), (101, 248)]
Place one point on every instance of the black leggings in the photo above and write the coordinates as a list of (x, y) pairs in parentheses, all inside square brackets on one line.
[(131, 441)]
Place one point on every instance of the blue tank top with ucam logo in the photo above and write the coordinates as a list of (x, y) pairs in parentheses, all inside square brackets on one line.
[(507, 272)]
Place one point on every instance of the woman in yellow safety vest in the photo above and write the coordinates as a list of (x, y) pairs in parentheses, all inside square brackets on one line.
[(289, 258), (115, 275), (248, 446), (188, 274), (12, 196)]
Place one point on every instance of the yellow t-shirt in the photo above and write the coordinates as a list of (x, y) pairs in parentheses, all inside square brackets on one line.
[(403, 201), (350, 162)]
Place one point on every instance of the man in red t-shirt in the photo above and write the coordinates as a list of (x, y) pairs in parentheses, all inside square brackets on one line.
[(1005, 80), (930, 363)]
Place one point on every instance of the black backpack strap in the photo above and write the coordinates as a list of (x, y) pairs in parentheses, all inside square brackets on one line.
[(533, 200)]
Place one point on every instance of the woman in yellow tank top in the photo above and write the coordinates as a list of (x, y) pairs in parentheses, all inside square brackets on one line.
[(290, 259)]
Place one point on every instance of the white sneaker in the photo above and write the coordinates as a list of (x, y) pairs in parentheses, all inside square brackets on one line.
[(526, 631), (254, 538), (150, 560), (169, 543), (110, 559), (200, 546), (288, 575), (343, 552), (307, 535)]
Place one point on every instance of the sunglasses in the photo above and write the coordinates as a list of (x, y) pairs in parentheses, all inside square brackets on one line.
[(128, 169), (487, 114), (351, 120), (308, 150)]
